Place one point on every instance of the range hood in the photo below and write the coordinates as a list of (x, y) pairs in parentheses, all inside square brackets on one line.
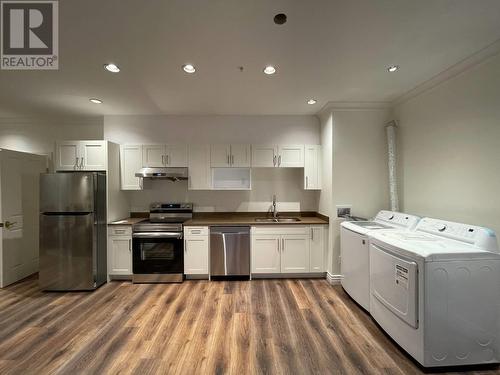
[(173, 174)]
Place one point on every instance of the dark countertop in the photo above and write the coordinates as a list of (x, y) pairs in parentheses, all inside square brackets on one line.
[(248, 218), (128, 221), (233, 218)]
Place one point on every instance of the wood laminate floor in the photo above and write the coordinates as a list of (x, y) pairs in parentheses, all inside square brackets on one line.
[(197, 327)]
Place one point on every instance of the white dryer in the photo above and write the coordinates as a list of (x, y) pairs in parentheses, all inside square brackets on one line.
[(354, 247), (436, 291)]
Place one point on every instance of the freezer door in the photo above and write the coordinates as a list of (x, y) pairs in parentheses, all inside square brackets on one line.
[(67, 252), (67, 192)]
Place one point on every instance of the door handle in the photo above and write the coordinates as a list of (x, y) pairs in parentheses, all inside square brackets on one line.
[(10, 224)]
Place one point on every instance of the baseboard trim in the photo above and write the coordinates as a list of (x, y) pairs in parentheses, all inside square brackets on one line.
[(333, 279), (312, 275)]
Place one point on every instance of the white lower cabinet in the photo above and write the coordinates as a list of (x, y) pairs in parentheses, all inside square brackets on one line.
[(287, 249), (265, 250), (317, 248), (295, 253), (120, 250), (196, 247)]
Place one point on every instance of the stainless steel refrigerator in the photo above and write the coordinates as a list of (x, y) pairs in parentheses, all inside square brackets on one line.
[(72, 231)]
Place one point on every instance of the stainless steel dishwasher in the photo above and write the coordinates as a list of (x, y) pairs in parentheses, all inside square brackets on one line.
[(230, 251)]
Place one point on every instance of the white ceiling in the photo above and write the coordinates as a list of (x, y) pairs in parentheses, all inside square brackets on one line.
[(329, 50)]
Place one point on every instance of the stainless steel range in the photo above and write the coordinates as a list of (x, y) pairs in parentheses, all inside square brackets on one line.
[(158, 245)]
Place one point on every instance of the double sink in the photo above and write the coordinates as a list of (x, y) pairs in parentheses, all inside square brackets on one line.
[(277, 220)]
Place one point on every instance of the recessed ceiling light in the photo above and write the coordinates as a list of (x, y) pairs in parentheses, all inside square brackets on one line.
[(280, 19), (112, 68), (392, 68), (269, 70), (311, 101), (188, 68), (95, 101)]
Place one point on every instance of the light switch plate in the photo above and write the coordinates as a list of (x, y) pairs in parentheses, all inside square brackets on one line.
[(343, 210)]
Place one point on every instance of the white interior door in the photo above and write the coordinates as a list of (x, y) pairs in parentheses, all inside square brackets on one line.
[(19, 180)]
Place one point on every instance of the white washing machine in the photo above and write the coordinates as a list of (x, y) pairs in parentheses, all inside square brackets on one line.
[(354, 247), (436, 291)]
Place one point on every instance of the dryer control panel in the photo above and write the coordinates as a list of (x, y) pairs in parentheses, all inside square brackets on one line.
[(399, 219), (484, 238)]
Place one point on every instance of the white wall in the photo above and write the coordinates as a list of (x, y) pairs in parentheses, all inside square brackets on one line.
[(355, 168), (38, 136), (449, 147), (286, 183)]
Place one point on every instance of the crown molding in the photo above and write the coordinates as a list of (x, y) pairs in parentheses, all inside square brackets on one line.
[(30, 120), (464, 65), (354, 106)]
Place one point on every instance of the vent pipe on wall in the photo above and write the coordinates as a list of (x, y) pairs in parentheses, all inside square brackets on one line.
[(390, 130)]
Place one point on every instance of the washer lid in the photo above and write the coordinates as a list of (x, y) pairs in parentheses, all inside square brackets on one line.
[(429, 247), (363, 227)]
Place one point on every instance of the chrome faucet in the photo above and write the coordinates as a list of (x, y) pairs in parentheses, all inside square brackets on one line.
[(275, 211)]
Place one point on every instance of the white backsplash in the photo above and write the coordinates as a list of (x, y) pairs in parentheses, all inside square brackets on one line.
[(287, 184)]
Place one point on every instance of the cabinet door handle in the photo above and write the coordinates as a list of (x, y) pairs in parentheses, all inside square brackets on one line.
[(232, 159), (307, 182), (168, 160), (279, 161), (283, 245), (274, 160), (163, 159), (279, 245), (76, 163), (228, 159), (130, 245), (312, 234), (185, 245), (81, 163)]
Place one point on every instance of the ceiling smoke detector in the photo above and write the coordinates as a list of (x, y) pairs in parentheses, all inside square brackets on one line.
[(280, 19)]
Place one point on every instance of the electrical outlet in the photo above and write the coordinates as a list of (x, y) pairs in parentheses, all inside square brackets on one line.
[(343, 210)]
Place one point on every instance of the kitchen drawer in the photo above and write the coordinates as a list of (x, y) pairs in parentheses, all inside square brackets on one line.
[(120, 230), (195, 231)]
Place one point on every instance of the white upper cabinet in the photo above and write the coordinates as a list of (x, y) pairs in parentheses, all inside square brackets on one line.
[(291, 156), (130, 164), (94, 155), (81, 156), (199, 167), (312, 167), (67, 155), (157, 156), (230, 156), (220, 156), (153, 156), (281, 156), (240, 155), (264, 156), (176, 156)]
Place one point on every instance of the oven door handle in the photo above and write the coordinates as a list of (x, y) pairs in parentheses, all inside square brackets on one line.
[(157, 235)]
